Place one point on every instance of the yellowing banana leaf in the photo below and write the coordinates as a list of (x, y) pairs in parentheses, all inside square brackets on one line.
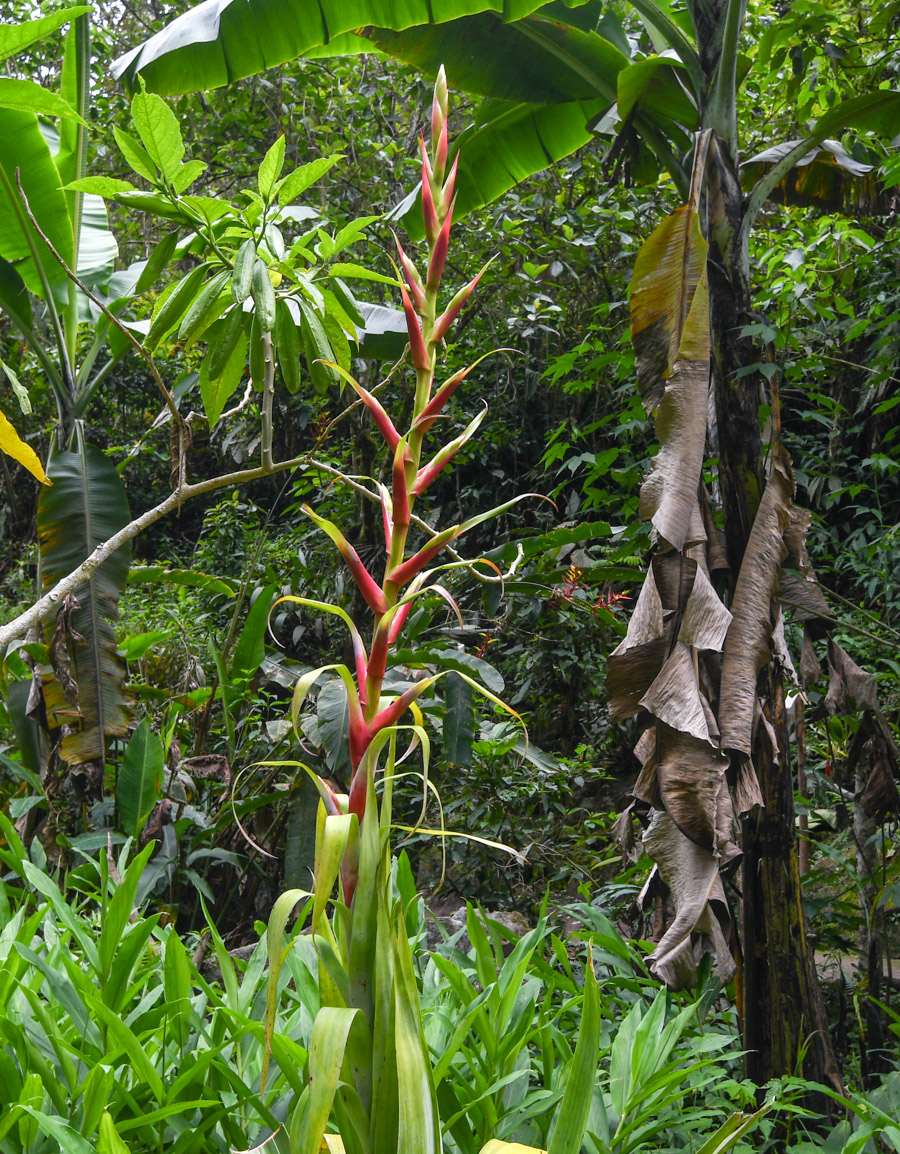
[(13, 445), (748, 643), (667, 276)]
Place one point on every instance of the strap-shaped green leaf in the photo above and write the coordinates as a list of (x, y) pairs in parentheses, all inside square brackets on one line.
[(140, 778), (568, 1132), (85, 506)]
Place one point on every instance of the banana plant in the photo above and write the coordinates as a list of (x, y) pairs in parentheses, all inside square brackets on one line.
[(50, 238), (550, 77)]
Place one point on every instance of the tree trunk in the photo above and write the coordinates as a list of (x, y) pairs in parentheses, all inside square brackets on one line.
[(783, 1012)]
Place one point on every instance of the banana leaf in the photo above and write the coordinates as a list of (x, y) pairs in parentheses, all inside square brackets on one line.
[(85, 505)]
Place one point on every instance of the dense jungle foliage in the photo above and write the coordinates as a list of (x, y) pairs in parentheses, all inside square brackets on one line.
[(314, 837)]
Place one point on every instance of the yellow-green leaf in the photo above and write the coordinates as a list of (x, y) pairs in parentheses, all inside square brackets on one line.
[(13, 445)]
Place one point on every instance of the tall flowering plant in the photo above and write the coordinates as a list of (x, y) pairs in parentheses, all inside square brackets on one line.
[(369, 1071)]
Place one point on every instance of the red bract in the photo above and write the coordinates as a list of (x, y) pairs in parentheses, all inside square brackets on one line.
[(420, 357), (449, 185), (429, 215), (416, 287), (449, 315), (439, 257)]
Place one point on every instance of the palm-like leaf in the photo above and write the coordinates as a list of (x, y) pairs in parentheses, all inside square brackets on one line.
[(84, 507)]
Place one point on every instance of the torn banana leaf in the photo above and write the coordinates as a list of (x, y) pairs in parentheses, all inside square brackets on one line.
[(702, 921), (748, 645)]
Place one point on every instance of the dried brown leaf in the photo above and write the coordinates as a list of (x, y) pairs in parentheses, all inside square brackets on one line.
[(691, 776), (748, 645), (630, 674), (674, 696), (850, 688), (702, 922)]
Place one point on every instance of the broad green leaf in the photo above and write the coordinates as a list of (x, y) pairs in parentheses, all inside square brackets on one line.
[(24, 147), (170, 309), (13, 446), (298, 181), (108, 1139), (287, 340), (100, 185), (205, 309), (70, 1141), (281, 911), (15, 37), (160, 133), (85, 505), (419, 1125), (329, 1042), (119, 911), (317, 347), (213, 45), (250, 649), (135, 154), (31, 97), (360, 272), (140, 778), (159, 258), (270, 169), (14, 298), (177, 988), (263, 293)]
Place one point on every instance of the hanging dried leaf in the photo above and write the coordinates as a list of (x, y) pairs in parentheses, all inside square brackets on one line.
[(691, 776), (781, 651), (799, 589), (629, 675), (706, 620), (674, 696), (670, 334), (702, 922), (749, 640), (880, 797), (716, 561), (669, 495), (622, 831), (646, 788), (674, 575), (850, 688), (745, 791), (810, 669), (646, 622)]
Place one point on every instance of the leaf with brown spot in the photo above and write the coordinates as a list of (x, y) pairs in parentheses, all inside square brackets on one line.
[(668, 273), (748, 644)]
